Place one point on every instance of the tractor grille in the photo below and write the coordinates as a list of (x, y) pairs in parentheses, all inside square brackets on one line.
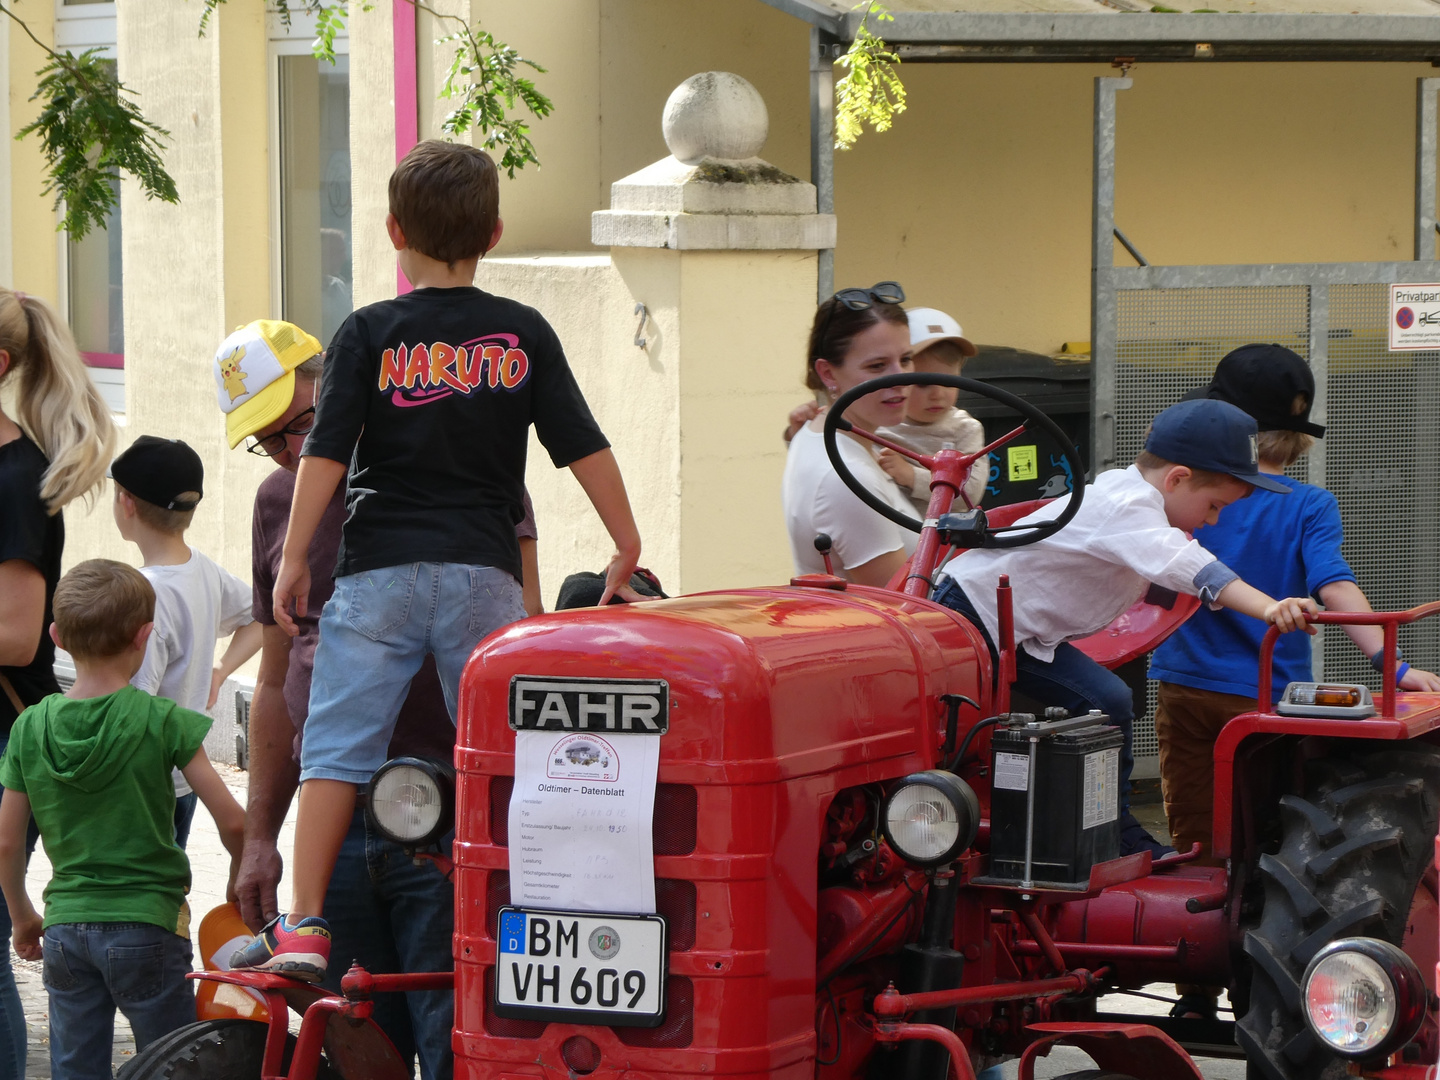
[(673, 824), (674, 901), (679, 1027)]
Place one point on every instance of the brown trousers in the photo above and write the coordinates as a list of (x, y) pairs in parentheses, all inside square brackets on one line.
[(1187, 722)]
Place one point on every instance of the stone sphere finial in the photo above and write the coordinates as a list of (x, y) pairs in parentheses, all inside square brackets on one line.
[(715, 114)]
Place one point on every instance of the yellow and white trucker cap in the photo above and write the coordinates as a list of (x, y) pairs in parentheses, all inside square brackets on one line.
[(929, 325), (255, 374)]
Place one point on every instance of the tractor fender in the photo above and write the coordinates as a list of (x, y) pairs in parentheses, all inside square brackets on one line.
[(356, 1048), (1132, 1049)]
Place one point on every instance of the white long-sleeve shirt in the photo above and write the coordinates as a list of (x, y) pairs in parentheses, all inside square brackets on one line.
[(1078, 580)]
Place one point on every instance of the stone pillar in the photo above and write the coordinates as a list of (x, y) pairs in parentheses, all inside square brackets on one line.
[(722, 249)]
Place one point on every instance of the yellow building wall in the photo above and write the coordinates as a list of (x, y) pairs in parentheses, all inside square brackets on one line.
[(979, 199), (35, 246)]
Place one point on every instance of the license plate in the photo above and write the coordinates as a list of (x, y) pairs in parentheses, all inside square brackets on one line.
[(581, 967)]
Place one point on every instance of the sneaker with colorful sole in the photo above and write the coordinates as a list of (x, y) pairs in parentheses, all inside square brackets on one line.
[(301, 950)]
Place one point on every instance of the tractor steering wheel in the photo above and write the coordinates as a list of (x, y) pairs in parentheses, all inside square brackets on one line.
[(1005, 536)]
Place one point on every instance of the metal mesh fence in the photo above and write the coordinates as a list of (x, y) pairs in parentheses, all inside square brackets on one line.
[(1382, 448)]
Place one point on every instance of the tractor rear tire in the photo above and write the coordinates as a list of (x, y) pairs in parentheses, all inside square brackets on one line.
[(229, 1049), (1354, 849)]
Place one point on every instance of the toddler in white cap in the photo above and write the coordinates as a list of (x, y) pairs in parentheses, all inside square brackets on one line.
[(932, 421)]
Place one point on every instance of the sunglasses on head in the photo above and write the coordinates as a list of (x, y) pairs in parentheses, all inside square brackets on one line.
[(884, 292)]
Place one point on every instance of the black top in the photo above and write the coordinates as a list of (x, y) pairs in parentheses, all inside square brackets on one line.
[(27, 532), (429, 397)]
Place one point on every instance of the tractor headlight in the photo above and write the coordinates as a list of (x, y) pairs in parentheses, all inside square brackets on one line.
[(411, 801), (1363, 998), (931, 817)]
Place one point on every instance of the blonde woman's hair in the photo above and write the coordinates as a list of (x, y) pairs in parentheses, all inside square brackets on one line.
[(58, 405)]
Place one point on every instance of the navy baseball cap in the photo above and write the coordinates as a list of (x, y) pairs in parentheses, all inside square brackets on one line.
[(1210, 434), (160, 471)]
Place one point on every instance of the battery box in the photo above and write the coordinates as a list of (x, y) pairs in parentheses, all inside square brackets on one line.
[(1055, 788)]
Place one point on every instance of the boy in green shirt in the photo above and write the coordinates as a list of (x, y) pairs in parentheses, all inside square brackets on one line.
[(93, 766)]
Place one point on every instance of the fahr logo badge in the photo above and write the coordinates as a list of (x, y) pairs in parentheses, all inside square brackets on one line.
[(634, 706)]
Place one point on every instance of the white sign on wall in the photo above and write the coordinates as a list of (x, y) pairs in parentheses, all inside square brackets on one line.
[(1414, 317)]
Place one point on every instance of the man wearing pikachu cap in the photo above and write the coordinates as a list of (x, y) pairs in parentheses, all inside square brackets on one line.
[(266, 378)]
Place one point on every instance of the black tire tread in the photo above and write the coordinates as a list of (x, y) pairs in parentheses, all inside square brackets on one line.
[(229, 1049), (1354, 850)]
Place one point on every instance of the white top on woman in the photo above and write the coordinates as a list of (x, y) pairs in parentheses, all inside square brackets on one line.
[(817, 501)]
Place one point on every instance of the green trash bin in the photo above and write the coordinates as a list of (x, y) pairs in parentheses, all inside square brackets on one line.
[(1030, 467)]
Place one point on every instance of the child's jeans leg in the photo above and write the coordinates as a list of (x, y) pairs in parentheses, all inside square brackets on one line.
[(93, 968), (474, 602), (1075, 682), (373, 638)]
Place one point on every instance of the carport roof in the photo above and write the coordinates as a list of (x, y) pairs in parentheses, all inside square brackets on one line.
[(1090, 30)]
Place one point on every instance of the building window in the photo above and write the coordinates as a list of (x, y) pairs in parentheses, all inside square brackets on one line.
[(91, 266), (314, 192)]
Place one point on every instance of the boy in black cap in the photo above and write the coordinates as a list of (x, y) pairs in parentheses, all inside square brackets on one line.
[(158, 484), (1133, 529), (1209, 669)]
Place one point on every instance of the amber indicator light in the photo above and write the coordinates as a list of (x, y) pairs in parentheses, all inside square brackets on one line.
[(1340, 696)]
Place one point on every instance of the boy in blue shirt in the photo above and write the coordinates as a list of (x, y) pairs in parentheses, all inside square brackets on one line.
[(1286, 545), (428, 399)]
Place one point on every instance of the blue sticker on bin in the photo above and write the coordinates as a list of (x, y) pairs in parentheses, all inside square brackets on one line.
[(512, 932)]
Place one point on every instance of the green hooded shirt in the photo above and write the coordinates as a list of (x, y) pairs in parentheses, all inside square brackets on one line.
[(97, 773)]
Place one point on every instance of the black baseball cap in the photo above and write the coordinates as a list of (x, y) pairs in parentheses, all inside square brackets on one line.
[(160, 471), (1265, 381), (1204, 433)]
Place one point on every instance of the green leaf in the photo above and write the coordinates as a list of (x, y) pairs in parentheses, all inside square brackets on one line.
[(90, 132), (871, 91), (485, 83)]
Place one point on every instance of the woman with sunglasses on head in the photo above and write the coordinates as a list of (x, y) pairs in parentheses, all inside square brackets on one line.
[(53, 451), (857, 335)]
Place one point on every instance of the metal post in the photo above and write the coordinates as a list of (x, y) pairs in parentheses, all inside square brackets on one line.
[(1425, 130), (1103, 307), (1320, 367), (822, 143)]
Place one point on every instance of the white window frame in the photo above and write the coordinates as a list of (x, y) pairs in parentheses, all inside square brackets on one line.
[(83, 26), (294, 41)]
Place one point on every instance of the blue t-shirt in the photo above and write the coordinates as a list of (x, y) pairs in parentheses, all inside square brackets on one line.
[(1283, 545)]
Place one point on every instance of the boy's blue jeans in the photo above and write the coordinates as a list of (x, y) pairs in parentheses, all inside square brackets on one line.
[(1072, 681), (375, 631), (91, 969), (389, 914)]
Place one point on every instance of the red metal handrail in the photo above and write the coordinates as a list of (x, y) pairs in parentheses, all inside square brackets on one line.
[(1390, 620)]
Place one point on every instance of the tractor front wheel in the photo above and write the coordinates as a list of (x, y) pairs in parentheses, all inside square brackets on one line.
[(1355, 848), (231, 1049)]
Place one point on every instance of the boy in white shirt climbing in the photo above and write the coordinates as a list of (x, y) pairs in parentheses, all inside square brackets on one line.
[(1133, 528), (158, 484)]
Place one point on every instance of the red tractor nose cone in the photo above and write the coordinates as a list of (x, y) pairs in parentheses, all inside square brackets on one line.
[(580, 1055)]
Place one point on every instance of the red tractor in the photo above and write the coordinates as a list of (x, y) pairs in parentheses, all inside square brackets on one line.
[(865, 864)]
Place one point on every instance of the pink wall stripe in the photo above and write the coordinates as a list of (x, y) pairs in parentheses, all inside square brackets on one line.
[(407, 105), (104, 359)]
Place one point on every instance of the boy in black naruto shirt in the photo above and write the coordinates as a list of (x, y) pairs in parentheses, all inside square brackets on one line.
[(427, 399)]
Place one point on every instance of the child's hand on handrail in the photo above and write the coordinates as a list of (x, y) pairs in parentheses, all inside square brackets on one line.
[(1292, 613), (1419, 679)]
